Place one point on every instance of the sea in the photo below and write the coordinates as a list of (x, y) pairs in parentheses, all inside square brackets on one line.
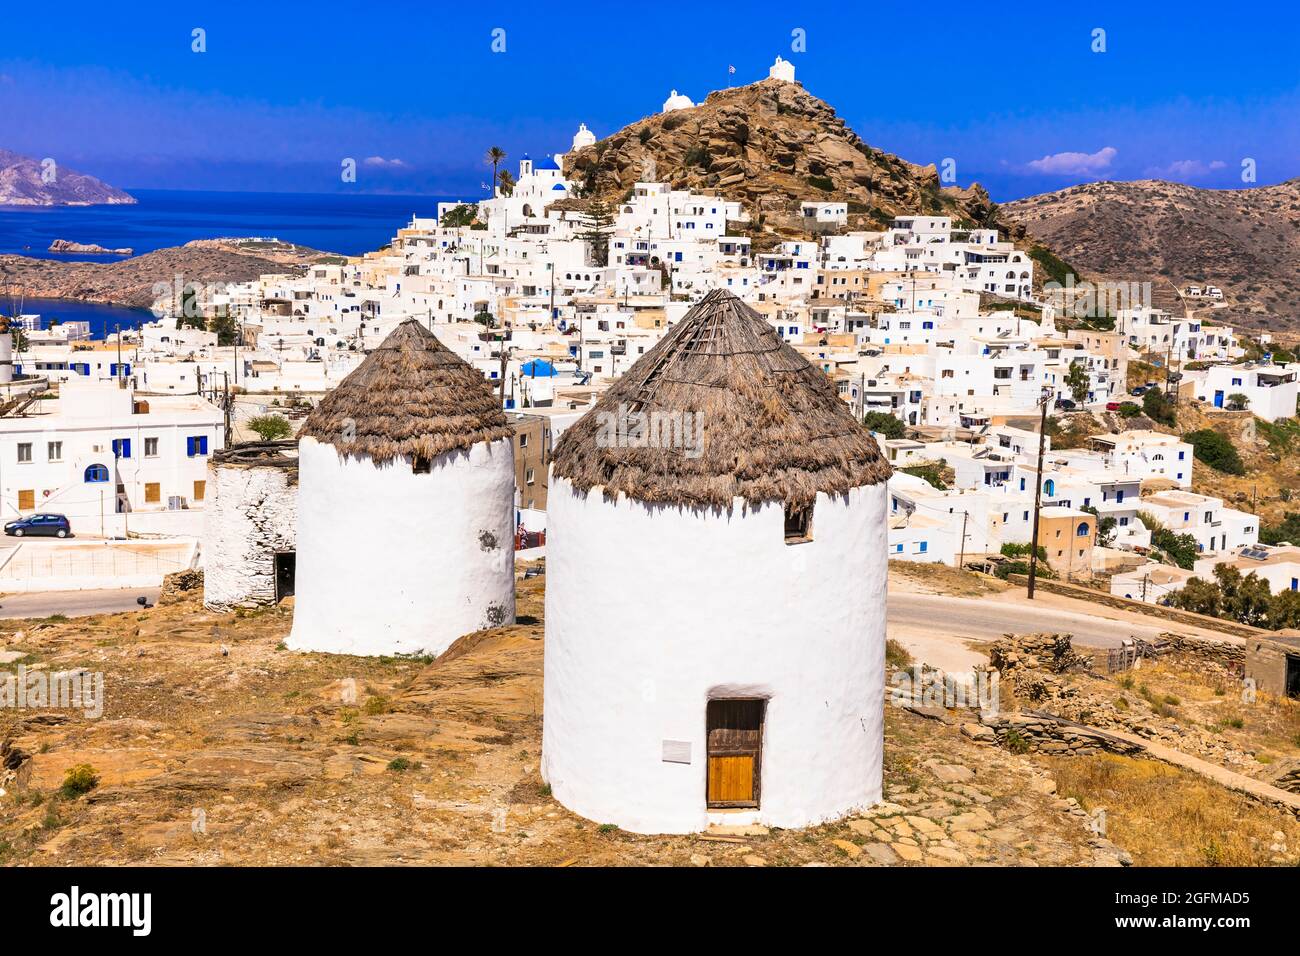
[(346, 224)]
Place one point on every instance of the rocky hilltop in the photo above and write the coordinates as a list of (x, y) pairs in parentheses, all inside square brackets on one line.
[(131, 282), (769, 145), (1245, 241), (23, 183)]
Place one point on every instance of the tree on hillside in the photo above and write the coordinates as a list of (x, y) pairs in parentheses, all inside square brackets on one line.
[(1246, 597), (494, 158), (1198, 596), (1179, 549), (1284, 611), (1288, 529), (459, 216), (891, 426), (599, 223), (1215, 450), (1159, 407), (270, 427), (225, 326), (1237, 402), (1076, 380)]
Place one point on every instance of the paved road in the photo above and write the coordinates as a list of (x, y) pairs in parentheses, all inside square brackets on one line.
[(989, 619), (73, 603)]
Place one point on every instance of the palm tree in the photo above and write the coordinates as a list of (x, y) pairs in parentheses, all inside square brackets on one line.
[(506, 181), (495, 156)]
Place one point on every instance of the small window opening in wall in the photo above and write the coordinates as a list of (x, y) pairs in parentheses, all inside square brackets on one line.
[(798, 524), (421, 465)]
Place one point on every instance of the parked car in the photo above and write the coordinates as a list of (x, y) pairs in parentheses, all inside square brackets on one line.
[(1139, 390), (56, 525), (1112, 406), (1065, 404)]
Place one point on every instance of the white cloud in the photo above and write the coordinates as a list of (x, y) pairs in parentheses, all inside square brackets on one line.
[(1074, 164), (380, 162), (1186, 169)]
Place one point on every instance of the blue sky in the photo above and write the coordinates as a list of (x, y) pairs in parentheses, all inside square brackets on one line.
[(1013, 93)]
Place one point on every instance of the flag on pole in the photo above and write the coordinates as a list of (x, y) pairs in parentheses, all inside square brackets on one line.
[(731, 69)]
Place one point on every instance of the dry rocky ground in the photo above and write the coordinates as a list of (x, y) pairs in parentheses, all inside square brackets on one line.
[(131, 281), (1246, 241), (219, 746)]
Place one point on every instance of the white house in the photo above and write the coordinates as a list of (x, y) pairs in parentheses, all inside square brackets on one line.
[(110, 460), (1270, 390)]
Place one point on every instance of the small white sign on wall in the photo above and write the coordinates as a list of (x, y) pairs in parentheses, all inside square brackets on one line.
[(677, 751)]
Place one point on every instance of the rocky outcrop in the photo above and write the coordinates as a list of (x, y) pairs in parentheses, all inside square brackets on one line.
[(769, 145), (88, 248), (29, 182)]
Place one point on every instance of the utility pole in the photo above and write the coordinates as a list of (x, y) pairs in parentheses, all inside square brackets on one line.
[(1038, 497), (505, 357), (961, 562)]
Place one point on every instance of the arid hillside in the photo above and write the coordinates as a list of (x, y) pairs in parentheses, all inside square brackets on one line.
[(1245, 241), (131, 281)]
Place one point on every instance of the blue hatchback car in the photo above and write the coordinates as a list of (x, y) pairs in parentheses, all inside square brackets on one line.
[(55, 525)]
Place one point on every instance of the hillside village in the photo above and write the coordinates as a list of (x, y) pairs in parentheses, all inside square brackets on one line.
[(1004, 414), (930, 332)]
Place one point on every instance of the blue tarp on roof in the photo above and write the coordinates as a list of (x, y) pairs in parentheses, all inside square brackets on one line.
[(539, 368)]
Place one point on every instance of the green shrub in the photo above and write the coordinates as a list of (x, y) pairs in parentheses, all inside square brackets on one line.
[(824, 183), (1215, 450), (891, 426), (1159, 407), (270, 427), (931, 473), (78, 781)]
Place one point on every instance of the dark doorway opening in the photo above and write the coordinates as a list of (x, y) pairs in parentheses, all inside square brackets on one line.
[(1293, 676), (735, 752), (286, 563)]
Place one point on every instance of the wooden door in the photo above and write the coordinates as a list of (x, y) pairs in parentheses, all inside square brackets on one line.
[(27, 499), (735, 745)]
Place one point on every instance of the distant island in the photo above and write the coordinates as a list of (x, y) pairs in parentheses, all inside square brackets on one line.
[(89, 248), (31, 182)]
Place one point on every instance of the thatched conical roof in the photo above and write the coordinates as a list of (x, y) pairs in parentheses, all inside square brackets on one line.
[(772, 426), (411, 397)]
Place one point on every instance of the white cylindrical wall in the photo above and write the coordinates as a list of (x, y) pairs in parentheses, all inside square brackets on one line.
[(6, 357), (392, 562), (250, 515), (653, 610)]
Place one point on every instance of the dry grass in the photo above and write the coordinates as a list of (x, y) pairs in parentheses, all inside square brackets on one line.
[(1165, 816), (1267, 725), (941, 579)]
